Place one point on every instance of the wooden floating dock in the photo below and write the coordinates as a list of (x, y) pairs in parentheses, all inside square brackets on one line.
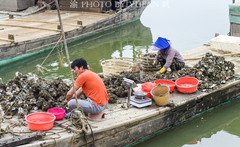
[(44, 24)]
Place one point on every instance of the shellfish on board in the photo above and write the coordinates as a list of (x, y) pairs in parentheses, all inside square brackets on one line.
[(31, 92)]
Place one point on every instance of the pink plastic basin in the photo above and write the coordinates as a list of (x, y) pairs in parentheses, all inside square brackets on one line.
[(58, 112), (168, 83), (40, 121), (190, 81)]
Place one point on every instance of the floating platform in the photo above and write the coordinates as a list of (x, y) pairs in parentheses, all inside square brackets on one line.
[(44, 24), (38, 31)]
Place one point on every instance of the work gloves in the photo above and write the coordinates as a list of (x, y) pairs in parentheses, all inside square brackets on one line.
[(162, 70)]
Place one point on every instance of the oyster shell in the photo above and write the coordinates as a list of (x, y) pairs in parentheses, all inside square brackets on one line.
[(31, 92)]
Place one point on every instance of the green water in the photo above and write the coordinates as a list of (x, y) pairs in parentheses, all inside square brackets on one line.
[(219, 128), (127, 41)]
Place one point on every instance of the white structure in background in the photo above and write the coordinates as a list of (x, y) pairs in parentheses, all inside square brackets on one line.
[(225, 43), (15, 5)]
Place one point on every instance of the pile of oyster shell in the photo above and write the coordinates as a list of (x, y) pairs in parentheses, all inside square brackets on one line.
[(116, 87), (211, 71), (30, 92), (147, 62)]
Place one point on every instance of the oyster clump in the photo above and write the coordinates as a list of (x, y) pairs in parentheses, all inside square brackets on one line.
[(147, 62), (30, 92), (211, 71), (116, 86)]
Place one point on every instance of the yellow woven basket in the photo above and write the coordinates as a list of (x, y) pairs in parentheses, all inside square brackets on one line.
[(115, 66)]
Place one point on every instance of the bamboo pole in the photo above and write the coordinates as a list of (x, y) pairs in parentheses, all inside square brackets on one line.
[(43, 22), (28, 27), (196, 58), (66, 49)]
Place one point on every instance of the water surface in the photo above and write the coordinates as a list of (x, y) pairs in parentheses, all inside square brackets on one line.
[(127, 41), (219, 128), (187, 23)]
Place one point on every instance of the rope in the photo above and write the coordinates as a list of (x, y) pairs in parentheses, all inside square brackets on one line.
[(60, 55), (53, 133), (40, 68), (1, 130), (81, 117), (9, 128), (52, 50), (79, 120)]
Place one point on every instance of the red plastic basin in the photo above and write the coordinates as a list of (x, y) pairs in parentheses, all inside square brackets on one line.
[(40, 121), (149, 95), (147, 87), (168, 83), (58, 112), (187, 84), (139, 88)]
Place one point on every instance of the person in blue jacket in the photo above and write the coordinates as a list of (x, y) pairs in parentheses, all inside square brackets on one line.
[(167, 56)]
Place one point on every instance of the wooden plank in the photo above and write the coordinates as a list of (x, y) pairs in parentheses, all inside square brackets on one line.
[(21, 140), (5, 40), (44, 22), (26, 27), (224, 55), (80, 13)]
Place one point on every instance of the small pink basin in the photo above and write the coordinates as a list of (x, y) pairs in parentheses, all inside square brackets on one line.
[(58, 112)]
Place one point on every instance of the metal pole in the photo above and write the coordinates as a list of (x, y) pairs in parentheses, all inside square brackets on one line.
[(66, 49), (233, 1), (129, 96), (120, 4)]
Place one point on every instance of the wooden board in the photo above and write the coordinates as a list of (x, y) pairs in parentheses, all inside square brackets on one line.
[(37, 26)]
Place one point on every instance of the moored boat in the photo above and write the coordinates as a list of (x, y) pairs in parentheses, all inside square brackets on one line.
[(33, 34)]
